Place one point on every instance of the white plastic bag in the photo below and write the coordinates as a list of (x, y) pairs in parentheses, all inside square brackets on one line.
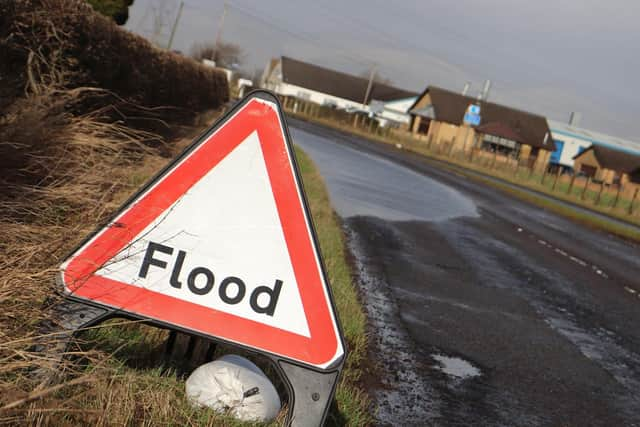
[(233, 383)]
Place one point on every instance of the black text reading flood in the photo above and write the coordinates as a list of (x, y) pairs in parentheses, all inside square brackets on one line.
[(227, 285)]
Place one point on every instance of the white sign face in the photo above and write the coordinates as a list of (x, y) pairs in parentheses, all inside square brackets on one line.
[(220, 244), (232, 231)]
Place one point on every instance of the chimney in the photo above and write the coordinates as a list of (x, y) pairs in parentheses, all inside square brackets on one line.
[(465, 89), (485, 90), (574, 118)]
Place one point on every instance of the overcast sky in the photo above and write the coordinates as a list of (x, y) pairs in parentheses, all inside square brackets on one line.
[(546, 56)]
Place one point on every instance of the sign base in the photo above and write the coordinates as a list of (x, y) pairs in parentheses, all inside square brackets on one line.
[(310, 391)]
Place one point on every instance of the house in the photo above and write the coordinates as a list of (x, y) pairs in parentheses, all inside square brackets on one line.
[(441, 116), (571, 140), (289, 77), (212, 64), (608, 165), (394, 112), (244, 86)]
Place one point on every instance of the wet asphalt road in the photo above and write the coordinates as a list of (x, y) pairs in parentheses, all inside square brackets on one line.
[(483, 309)]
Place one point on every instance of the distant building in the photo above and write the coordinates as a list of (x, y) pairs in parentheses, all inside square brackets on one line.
[(443, 116), (290, 77), (571, 140), (244, 86), (212, 64), (608, 165), (394, 112)]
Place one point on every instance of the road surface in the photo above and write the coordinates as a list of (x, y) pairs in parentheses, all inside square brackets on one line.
[(484, 310)]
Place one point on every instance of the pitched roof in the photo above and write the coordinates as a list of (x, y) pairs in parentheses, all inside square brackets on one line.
[(451, 106), (336, 83), (614, 159)]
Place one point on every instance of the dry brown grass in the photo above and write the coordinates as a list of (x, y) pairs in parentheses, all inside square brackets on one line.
[(112, 375), (85, 110)]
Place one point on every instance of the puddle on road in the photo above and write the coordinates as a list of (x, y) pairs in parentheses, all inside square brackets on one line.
[(363, 184), (455, 367)]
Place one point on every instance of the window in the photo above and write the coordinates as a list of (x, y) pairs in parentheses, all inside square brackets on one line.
[(588, 170)]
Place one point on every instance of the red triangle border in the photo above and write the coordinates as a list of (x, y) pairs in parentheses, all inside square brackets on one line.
[(324, 345)]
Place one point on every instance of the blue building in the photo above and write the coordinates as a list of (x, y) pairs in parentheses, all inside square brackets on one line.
[(571, 140)]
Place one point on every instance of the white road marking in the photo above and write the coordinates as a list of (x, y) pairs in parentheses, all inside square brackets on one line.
[(628, 289), (595, 268), (561, 252), (578, 260)]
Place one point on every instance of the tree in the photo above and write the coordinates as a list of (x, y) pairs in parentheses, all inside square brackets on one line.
[(227, 55), (118, 10)]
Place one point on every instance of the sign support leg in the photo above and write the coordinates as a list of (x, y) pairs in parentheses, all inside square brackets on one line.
[(65, 320), (310, 393)]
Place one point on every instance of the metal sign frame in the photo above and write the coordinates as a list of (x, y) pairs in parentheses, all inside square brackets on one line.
[(310, 389)]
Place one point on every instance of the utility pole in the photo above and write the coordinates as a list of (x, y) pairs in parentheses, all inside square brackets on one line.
[(372, 75), (219, 33), (175, 25)]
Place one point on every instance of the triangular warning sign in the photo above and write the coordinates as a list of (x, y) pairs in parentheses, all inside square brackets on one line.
[(220, 243)]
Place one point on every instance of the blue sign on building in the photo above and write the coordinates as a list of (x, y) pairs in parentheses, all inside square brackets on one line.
[(471, 119), (472, 116), (555, 156)]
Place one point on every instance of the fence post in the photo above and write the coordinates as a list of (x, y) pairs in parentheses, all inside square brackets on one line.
[(573, 178), (633, 199), (584, 190), (555, 181), (615, 201), (599, 193)]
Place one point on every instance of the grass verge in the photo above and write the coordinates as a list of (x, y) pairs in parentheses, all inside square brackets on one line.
[(352, 402), (563, 210)]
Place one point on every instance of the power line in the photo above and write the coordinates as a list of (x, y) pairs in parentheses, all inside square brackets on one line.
[(351, 56), (298, 34), (175, 26)]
